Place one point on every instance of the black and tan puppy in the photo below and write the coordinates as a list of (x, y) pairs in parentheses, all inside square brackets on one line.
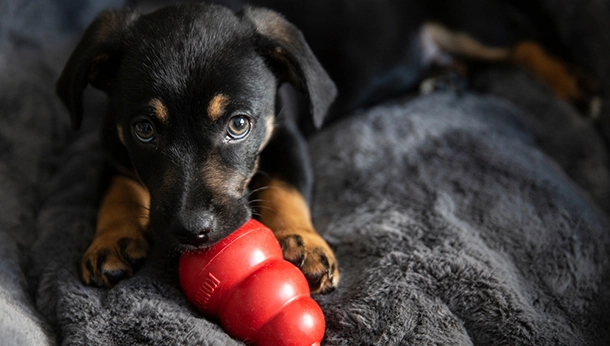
[(193, 118)]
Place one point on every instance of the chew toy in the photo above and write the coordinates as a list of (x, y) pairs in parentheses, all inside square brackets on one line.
[(244, 282)]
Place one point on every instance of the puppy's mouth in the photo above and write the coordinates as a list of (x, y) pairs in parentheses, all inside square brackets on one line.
[(191, 236), (201, 242), (183, 245), (197, 238)]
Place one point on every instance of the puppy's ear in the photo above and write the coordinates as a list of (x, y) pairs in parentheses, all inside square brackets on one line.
[(94, 60), (284, 45)]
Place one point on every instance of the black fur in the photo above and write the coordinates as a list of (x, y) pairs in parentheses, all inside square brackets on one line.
[(184, 55)]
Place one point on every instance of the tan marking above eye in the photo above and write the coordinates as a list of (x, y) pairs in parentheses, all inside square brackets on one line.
[(120, 134), (159, 110), (222, 181), (270, 125), (217, 106)]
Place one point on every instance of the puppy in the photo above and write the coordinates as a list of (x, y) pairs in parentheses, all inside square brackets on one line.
[(194, 116)]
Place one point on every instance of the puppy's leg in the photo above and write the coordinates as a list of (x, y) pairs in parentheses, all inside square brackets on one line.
[(119, 244), (285, 211), (282, 206)]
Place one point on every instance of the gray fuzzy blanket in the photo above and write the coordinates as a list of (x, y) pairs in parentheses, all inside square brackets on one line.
[(457, 219)]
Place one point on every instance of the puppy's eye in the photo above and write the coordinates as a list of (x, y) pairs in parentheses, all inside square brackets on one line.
[(239, 127), (144, 131)]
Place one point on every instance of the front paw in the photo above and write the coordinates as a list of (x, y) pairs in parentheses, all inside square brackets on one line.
[(112, 258), (310, 252)]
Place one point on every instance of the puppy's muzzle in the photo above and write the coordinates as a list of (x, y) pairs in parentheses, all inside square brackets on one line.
[(193, 228)]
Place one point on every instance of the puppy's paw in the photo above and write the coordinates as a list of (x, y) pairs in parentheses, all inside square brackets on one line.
[(112, 257), (310, 252)]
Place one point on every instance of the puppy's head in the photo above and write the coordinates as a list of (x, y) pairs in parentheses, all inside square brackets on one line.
[(193, 92)]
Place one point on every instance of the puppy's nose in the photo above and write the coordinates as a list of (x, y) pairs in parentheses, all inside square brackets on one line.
[(193, 229)]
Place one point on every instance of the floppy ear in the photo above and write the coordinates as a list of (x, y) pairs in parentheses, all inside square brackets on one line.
[(284, 45), (94, 60)]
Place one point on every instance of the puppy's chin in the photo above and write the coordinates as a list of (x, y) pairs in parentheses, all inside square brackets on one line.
[(181, 247)]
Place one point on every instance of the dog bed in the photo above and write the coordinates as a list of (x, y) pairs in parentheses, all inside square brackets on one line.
[(479, 218)]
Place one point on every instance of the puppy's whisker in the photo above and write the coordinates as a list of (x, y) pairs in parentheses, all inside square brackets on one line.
[(250, 193), (259, 189), (146, 217), (276, 120), (279, 120), (254, 205), (256, 200), (268, 208), (134, 203), (263, 173)]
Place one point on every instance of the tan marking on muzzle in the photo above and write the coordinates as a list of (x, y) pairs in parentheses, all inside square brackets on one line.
[(222, 182), (217, 106)]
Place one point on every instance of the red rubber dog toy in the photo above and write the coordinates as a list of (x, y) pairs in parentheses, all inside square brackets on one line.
[(259, 297)]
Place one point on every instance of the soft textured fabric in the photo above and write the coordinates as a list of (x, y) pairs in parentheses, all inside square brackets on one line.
[(457, 219), (452, 228)]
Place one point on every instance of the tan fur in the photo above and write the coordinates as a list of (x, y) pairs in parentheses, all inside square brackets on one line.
[(168, 181), (215, 178), (462, 44), (159, 110), (119, 130), (284, 207), (270, 126), (124, 199), (217, 106), (531, 55), (552, 71), (222, 181), (285, 211), (122, 215)]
